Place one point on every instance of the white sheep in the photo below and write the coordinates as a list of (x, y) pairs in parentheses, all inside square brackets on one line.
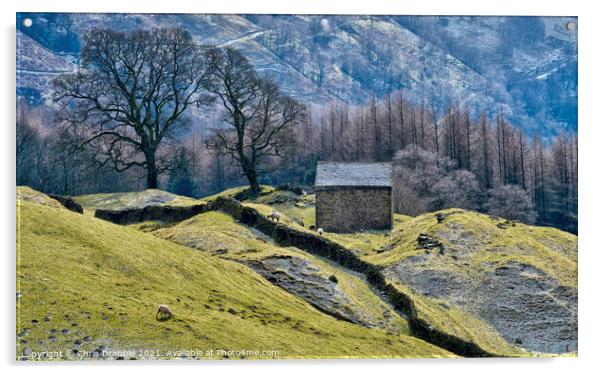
[(163, 310), (320, 231), (274, 215)]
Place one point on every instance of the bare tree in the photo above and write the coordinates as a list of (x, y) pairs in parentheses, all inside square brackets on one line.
[(131, 93), (259, 116)]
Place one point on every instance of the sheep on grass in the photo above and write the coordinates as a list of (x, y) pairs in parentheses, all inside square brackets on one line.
[(163, 313), (274, 215)]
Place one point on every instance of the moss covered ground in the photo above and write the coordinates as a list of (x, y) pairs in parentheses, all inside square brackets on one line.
[(86, 285), (484, 243)]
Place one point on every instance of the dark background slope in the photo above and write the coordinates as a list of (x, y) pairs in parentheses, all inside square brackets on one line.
[(523, 66)]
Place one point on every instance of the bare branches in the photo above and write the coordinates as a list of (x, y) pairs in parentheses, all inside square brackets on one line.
[(259, 115), (132, 90)]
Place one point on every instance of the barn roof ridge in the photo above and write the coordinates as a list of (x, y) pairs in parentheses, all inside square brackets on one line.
[(353, 174)]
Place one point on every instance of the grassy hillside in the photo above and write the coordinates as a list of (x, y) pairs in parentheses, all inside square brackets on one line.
[(487, 242), (88, 285), (347, 295), (525, 276), (490, 241), (126, 200), (502, 285)]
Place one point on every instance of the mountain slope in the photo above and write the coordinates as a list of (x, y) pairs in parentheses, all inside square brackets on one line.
[(525, 66), (85, 285)]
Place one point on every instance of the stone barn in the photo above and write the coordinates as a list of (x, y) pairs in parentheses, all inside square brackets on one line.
[(354, 196)]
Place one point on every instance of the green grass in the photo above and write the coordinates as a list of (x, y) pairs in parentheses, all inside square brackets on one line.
[(25, 193), (487, 243), (231, 192), (127, 200), (218, 233), (301, 209), (104, 281)]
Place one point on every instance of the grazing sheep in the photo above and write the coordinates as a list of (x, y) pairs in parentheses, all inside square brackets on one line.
[(162, 311), (274, 215), (320, 231)]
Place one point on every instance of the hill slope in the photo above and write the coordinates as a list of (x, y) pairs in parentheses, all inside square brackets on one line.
[(330, 288), (472, 275), (85, 285), (520, 279), (500, 285), (525, 66)]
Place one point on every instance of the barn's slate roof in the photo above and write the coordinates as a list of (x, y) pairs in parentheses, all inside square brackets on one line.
[(353, 174)]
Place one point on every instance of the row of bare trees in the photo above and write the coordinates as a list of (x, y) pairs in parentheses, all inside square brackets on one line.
[(444, 157)]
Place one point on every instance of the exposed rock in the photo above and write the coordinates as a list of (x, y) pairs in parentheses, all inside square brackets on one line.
[(299, 277), (428, 243), (520, 301)]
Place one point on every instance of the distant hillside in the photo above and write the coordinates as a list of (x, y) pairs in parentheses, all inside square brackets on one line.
[(525, 66)]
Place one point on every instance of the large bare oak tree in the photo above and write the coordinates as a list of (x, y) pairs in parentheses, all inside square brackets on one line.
[(130, 94), (258, 115)]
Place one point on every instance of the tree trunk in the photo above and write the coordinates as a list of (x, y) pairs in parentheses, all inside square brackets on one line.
[(151, 170), (251, 175)]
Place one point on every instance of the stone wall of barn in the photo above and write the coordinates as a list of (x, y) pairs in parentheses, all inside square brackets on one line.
[(350, 209)]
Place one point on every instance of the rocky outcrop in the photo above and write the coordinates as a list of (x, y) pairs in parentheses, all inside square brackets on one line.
[(519, 279), (299, 277), (526, 306)]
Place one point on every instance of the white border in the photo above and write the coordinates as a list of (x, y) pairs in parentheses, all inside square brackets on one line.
[(590, 133)]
